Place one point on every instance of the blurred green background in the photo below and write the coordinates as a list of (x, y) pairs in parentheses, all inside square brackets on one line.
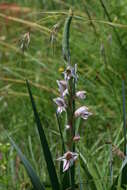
[(98, 44)]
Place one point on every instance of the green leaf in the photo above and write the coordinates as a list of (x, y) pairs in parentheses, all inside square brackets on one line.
[(30, 171), (94, 179), (89, 177), (122, 177), (44, 143), (115, 184), (124, 165), (124, 174), (80, 180), (124, 116)]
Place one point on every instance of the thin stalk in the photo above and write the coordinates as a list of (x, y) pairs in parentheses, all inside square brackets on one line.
[(65, 41), (80, 180), (89, 16), (59, 125), (71, 122), (111, 164), (70, 112), (124, 117), (110, 20), (110, 77), (110, 157)]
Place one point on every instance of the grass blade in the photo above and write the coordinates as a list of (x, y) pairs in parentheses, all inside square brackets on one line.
[(88, 174), (115, 184), (44, 143), (30, 171), (124, 116), (124, 168), (80, 180)]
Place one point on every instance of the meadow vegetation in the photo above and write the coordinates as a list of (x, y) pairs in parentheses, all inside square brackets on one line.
[(98, 45)]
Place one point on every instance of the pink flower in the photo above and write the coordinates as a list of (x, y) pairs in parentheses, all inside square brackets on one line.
[(68, 158), (61, 104), (62, 84), (81, 94), (82, 112)]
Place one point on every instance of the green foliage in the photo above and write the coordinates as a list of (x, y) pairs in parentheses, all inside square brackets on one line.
[(65, 39), (101, 62), (44, 143), (34, 178)]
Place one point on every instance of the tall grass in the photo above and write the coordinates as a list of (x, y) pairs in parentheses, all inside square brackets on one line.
[(90, 29)]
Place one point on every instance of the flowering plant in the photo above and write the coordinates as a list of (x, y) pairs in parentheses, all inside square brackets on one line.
[(66, 102)]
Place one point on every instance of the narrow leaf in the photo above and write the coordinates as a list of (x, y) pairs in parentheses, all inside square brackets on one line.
[(124, 169), (124, 116), (80, 180), (44, 143), (30, 171), (88, 174), (115, 184)]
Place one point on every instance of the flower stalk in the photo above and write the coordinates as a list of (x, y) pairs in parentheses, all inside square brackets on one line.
[(67, 103)]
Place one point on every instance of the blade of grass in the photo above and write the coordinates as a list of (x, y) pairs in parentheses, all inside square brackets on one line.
[(110, 20), (124, 170), (31, 152), (30, 171), (115, 184), (44, 143), (80, 180), (124, 116), (88, 175)]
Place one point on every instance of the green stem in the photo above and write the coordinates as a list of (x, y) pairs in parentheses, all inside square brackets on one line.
[(65, 41)]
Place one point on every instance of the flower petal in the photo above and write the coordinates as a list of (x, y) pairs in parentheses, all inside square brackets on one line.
[(60, 109), (81, 94), (66, 165), (59, 101), (80, 111), (62, 84)]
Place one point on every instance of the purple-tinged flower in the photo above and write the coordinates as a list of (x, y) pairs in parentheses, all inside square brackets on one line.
[(61, 104), (76, 138), (70, 73), (81, 94), (82, 112), (68, 158), (62, 84)]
